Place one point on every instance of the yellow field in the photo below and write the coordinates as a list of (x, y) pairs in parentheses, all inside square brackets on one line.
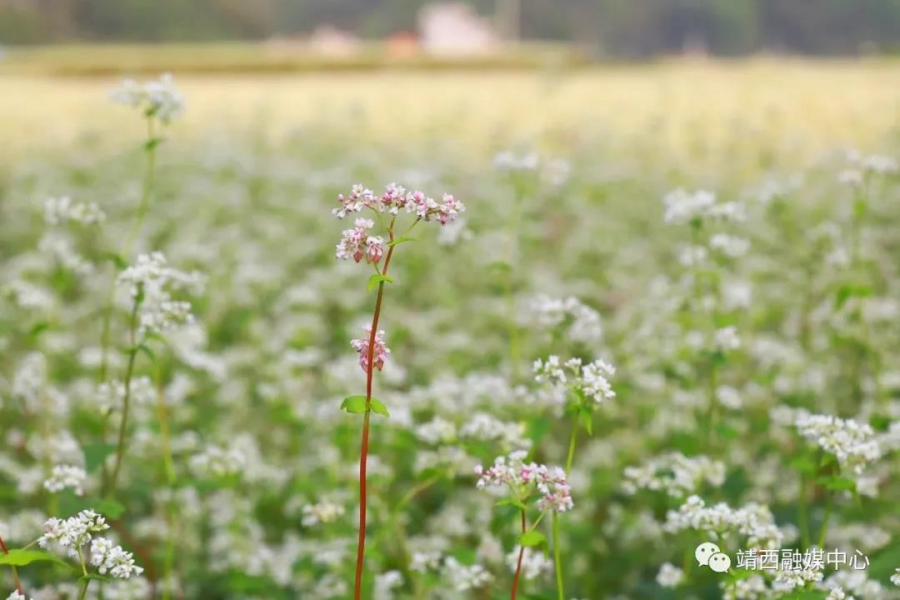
[(703, 111)]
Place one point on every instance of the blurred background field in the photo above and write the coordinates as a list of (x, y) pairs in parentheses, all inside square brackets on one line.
[(563, 125), (702, 112)]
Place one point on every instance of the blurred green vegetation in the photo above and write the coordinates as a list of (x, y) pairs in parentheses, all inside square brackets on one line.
[(610, 27), (251, 57)]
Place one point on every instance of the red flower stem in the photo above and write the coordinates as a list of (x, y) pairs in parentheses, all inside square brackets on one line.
[(515, 586), (14, 571), (364, 452)]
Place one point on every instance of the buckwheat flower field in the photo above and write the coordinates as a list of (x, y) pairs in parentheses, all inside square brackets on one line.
[(628, 333)]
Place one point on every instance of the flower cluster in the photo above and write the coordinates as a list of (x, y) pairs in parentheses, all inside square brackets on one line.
[(464, 578), (591, 380), (686, 207), (853, 444), (66, 477), (674, 473), (534, 564), (395, 198), (726, 339), (582, 321), (113, 560), (895, 578), (753, 520), (380, 353), (322, 512), (669, 576), (218, 462), (157, 99), (356, 243), (150, 280), (863, 164), (62, 210), (790, 579), (524, 478), (73, 533)]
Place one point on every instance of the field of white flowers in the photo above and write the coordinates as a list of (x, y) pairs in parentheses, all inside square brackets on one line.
[(625, 337)]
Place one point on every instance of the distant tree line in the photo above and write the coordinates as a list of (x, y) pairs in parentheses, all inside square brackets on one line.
[(628, 28)]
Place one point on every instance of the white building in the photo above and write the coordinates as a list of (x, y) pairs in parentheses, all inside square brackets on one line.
[(455, 28)]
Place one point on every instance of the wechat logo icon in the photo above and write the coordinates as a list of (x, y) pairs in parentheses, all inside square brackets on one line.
[(710, 555)]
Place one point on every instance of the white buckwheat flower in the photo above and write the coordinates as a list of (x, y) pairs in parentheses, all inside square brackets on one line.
[(534, 564), (322, 512), (669, 576), (152, 279), (727, 339), (853, 444), (157, 99), (62, 210), (66, 477), (73, 533), (113, 560), (590, 380), (674, 473)]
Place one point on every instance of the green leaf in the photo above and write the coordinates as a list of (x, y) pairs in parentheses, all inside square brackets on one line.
[(803, 464), (70, 505), (96, 454), (849, 290), (586, 416), (115, 259), (354, 404), (377, 279), (512, 502), (146, 350), (38, 329), (837, 483), (532, 538), (379, 407), (20, 558), (401, 240)]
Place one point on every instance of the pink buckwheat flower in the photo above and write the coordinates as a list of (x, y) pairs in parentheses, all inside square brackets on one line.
[(395, 198), (362, 346), (524, 479), (356, 243)]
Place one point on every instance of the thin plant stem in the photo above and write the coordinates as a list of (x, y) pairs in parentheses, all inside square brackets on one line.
[(557, 559), (364, 450), (515, 586), (802, 516), (126, 400), (824, 530), (143, 207), (571, 455), (169, 557), (557, 551)]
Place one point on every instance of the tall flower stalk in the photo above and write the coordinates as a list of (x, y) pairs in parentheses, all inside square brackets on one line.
[(159, 102), (525, 481), (361, 244), (583, 387)]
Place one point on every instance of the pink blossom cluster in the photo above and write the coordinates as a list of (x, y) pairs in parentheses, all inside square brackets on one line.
[(356, 243), (395, 198), (512, 471), (380, 355)]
